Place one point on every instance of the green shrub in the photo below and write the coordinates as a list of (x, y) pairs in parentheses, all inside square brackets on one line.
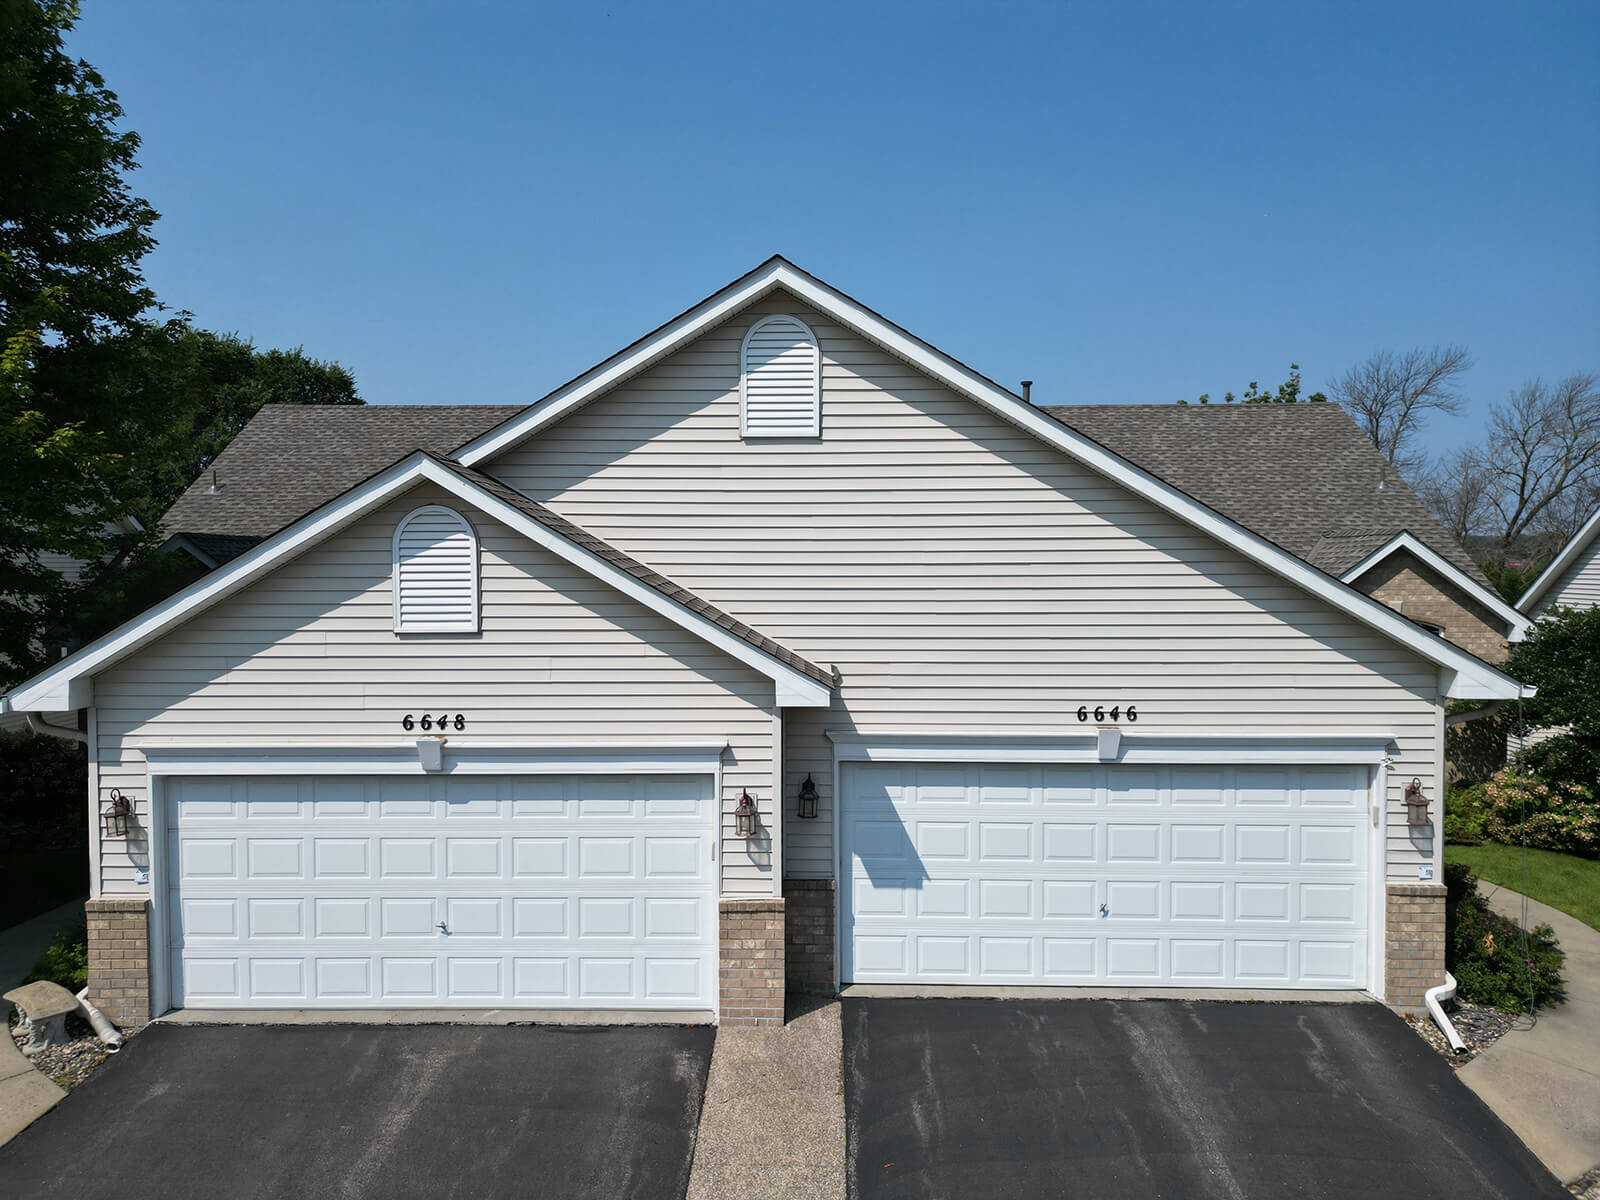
[(1495, 963), (44, 791), (67, 960), (1463, 815), (1523, 809), (1562, 759)]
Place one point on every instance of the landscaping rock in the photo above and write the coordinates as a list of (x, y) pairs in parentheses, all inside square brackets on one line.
[(1479, 1026), (69, 1064)]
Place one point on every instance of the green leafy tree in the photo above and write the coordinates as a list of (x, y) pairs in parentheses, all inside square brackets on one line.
[(1287, 392), (72, 235), (1561, 657)]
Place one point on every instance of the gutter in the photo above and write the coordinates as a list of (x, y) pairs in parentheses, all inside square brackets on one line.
[(1474, 714), (39, 725)]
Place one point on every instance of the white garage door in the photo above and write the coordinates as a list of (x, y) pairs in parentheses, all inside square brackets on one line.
[(1178, 876), (460, 891)]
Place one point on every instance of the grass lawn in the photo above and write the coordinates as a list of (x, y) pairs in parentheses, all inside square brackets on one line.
[(1562, 881)]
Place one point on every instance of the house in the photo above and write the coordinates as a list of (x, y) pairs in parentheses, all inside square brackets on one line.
[(779, 646), (1572, 580)]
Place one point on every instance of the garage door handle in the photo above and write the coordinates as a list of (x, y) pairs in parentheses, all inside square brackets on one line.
[(1103, 911), (441, 927)]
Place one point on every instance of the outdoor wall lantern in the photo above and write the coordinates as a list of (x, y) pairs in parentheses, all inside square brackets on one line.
[(1416, 804), (808, 799), (745, 815), (115, 815)]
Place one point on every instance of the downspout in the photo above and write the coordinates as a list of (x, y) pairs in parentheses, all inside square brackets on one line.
[(1434, 998), (104, 1029), (39, 725)]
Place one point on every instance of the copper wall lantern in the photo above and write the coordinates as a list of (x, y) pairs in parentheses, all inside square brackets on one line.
[(115, 815), (745, 815), (1416, 804)]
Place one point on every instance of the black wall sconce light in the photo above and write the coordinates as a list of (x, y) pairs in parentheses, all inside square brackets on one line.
[(115, 815), (745, 815), (808, 799)]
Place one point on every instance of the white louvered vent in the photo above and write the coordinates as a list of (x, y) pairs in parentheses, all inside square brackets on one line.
[(435, 573), (781, 380)]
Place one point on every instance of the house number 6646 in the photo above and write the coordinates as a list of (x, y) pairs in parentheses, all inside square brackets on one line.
[(428, 721)]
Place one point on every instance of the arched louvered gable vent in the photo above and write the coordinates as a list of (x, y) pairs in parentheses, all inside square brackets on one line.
[(435, 573), (781, 380)]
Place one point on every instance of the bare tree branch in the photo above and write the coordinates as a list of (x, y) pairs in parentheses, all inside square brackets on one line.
[(1390, 395), (1544, 457)]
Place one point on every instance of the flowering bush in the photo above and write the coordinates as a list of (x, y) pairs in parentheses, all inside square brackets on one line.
[(1493, 960), (1548, 814)]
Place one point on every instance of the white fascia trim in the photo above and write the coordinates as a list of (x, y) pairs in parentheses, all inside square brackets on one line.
[(1135, 748), (986, 392), (1560, 563), (45, 691), (400, 758), (1405, 541)]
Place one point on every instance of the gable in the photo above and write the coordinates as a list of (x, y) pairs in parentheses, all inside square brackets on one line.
[(1573, 577), (657, 462)]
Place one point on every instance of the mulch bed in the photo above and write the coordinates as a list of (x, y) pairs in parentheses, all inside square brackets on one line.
[(69, 1065), (1479, 1027)]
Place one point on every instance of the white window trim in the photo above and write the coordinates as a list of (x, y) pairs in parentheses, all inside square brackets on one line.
[(815, 429), (472, 624)]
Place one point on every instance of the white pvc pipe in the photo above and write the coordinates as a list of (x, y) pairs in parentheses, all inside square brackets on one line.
[(1434, 998), (105, 1029)]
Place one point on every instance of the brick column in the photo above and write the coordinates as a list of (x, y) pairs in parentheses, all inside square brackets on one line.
[(808, 945), (119, 959), (752, 962), (1414, 957)]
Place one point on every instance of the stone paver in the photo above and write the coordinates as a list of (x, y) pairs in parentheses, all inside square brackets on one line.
[(1544, 1081), (772, 1124)]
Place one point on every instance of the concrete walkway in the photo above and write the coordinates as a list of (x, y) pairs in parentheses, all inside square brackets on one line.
[(772, 1122), (21, 945), (1544, 1082)]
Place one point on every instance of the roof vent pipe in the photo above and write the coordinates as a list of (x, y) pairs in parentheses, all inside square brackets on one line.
[(215, 488), (1027, 386)]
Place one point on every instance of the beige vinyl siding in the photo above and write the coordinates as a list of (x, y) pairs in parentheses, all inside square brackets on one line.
[(309, 654), (961, 575), (1578, 587)]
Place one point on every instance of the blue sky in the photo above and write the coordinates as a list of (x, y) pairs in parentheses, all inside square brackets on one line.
[(473, 202)]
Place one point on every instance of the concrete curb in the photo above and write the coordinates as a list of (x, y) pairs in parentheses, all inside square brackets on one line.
[(1544, 1081), (25, 1094)]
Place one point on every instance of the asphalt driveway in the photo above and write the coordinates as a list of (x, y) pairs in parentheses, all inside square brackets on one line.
[(383, 1112), (1155, 1098)]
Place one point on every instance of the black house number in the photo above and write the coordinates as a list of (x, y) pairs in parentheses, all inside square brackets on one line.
[(1101, 713), (411, 721)]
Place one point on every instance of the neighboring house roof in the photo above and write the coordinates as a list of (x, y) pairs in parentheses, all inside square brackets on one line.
[(292, 458), (1301, 475), (1565, 557), (797, 681)]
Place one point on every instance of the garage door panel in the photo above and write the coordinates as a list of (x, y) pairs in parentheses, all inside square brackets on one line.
[(1160, 875), (397, 892)]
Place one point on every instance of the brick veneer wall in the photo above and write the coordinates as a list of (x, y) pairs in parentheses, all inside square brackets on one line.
[(1412, 588), (1414, 957), (752, 962), (119, 958), (808, 947)]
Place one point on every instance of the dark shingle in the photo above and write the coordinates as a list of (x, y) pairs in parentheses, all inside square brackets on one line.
[(1300, 475), (292, 458)]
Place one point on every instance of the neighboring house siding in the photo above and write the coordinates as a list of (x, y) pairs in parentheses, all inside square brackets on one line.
[(1578, 587), (961, 575), (1411, 587), (309, 654)]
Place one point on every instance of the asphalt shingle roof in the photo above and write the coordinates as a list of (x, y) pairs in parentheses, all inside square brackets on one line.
[(1301, 475), (292, 458)]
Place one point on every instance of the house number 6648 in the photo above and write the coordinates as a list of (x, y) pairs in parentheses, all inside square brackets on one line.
[(428, 721)]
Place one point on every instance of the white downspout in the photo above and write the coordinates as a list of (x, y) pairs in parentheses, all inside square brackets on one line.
[(1434, 998), (104, 1028)]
